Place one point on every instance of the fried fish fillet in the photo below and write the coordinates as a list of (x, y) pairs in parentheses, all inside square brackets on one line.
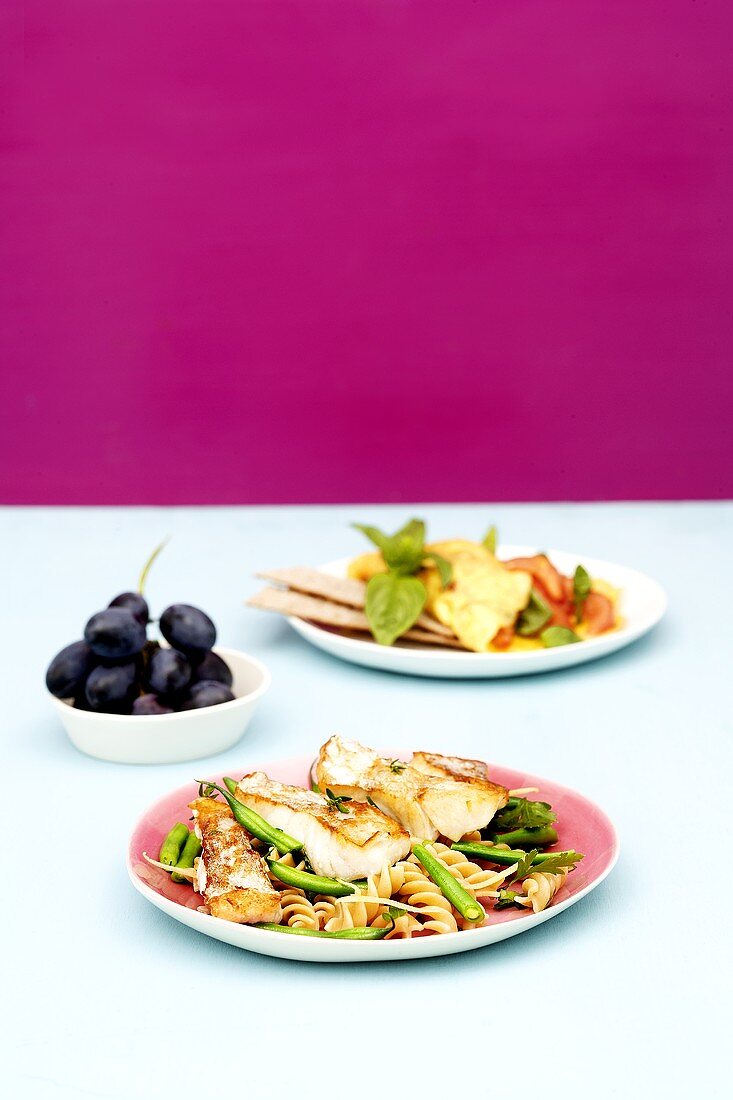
[(425, 803), (349, 842), (231, 876), (455, 767)]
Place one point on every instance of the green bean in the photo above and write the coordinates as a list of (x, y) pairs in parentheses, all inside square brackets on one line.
[(344, 934), (255, 824), (191, 849), (276, 838), (449, 886), (312, 884), (503, 856), (539, 837), (170, 849)]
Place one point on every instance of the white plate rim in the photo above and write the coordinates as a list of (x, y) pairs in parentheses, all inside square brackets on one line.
[(492, 664)]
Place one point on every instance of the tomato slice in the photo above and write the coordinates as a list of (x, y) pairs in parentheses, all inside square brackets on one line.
[(503, 638), (598, 614), (544, 572)]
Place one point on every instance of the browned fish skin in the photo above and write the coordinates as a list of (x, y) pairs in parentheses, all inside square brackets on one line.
[(351, 844), (455, 767), (232, 876), (427, 804)]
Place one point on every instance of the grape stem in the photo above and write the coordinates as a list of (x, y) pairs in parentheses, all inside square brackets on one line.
[(149, 564)]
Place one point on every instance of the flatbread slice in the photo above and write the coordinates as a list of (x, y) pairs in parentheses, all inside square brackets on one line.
[(287, 602), (341, 590), (312, 581)]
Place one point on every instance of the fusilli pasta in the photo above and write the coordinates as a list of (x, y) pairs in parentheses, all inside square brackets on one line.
[(540, 887), (477, 879), (419, 890), (298, 910)]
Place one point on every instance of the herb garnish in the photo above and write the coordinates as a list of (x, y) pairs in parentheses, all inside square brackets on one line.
[(524, 865), (336, 801), (523, 813), (394, 600), (581, 590), (490, 539), (397, 766), (535, 615), (506, 899), (553, 862), (558, 635)]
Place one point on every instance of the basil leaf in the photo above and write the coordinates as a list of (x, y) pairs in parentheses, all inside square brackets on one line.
[(490, 539), (558, 635), (393, 603), (413, 529), (373, 534), (404, 551), (535, 615), (444, 567), (581, 590)]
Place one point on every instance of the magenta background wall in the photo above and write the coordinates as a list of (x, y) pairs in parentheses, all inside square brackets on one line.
[(365, 249)]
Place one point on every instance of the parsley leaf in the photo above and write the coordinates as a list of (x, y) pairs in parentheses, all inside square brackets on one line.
[(556, 861), (522, 813), (524, 866)]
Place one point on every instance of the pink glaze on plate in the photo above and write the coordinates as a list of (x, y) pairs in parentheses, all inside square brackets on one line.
[(581, 825)]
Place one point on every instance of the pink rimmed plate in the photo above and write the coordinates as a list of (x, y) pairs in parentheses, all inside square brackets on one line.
[(581, 825)]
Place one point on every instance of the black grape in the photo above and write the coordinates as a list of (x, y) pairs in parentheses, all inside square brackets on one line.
[(135, 604), (69, 669), (207, 693), (111, 688), (187, 628), (211, 667), (168, 671), (150, 704), (114, 634)]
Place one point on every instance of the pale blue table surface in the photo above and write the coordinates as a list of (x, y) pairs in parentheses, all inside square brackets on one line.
[(624, 995)]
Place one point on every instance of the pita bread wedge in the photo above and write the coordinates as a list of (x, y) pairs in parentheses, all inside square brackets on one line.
[(340, 590), (332, 614)]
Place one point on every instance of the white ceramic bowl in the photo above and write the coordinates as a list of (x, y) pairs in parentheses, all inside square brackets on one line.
[(171, 738)]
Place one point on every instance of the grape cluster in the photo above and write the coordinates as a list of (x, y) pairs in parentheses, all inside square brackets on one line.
[(116, 670)]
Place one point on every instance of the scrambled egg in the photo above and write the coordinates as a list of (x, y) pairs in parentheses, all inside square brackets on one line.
[(483, 597)]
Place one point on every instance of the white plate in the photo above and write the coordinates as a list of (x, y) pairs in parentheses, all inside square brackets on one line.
[(642, 604), (581, 825)]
